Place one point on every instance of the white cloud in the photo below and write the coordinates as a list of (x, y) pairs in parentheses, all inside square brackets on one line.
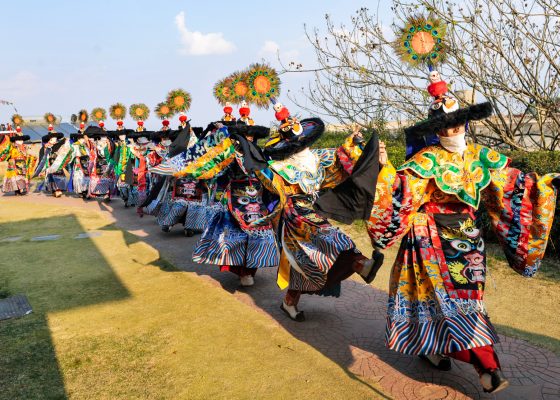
[(26, 84), (198, 43), (271, 49)]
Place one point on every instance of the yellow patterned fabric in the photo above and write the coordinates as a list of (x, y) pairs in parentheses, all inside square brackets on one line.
[(211, 163), (463, 176)]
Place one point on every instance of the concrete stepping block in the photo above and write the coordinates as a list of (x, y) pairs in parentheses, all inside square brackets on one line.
[(45, 238), (15, 307), (87, 235), (11, 239)]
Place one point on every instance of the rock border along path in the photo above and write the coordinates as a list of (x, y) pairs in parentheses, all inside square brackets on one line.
[(348, 330)]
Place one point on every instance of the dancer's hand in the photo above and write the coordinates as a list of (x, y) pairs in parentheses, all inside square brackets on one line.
[(383, 158)]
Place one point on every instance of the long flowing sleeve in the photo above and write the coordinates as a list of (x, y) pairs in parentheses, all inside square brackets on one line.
[(398, 197), (345, 158), (5, 147), (65, 155), (353, 197), (521, 207)]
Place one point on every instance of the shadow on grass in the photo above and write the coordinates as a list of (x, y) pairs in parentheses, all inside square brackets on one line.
[(56, 276)]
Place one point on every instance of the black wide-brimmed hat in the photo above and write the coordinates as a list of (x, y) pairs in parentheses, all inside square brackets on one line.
[(115, 134), (166, 134), (228, 124), (50, 135), (137, 135), (20, 137), (93, 130), (255, 131), (438, 120), (76, 136), (280, 147), (100, 135)]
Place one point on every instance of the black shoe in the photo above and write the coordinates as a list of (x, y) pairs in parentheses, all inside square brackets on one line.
[(165, 228), (300, 317), (377, 258), (494, 381), (189, 233), (442, 363)]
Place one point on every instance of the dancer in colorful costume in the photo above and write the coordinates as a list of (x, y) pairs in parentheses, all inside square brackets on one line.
[(79, 161), (120, 158), (102, 177), (316, 256), (49, 163), (20, 164), (184, 198), (430, 204), (240, 237)]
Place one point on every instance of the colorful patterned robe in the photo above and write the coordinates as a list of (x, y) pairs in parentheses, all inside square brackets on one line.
[(80, 161), (431, 206), (20, 166), (310, 244), (102, 177), (54, 158)]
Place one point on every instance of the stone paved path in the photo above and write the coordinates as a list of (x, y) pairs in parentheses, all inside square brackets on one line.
[(350, 330)]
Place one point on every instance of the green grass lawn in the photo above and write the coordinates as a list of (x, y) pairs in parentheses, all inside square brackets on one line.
[(112, 320), (526, 308)]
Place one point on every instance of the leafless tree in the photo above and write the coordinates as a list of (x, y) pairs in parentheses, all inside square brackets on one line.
[(505, 51)]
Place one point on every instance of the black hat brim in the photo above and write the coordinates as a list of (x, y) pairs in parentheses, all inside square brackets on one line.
[(136, 135), (58, 135), (93, 130), (313, 129), (116, 134), (255, 131), (20, 137), (440, 122)]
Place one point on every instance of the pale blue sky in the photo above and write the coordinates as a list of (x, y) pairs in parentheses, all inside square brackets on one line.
[(60, 56)]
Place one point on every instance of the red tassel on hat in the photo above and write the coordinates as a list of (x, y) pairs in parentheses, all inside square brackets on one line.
[(165, 122), (438, 89), (18, 129), (282, 114), (101, 124), (50, 128), (120, 123), (140, 123), (182, 118), (228, 109)]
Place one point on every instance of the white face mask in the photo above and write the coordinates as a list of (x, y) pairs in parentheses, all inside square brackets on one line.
[(454, 144), (166, 142), (52, 140), (122, 137), (19, 142)]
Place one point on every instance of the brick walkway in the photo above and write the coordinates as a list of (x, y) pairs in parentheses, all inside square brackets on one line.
[(350, 330)]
